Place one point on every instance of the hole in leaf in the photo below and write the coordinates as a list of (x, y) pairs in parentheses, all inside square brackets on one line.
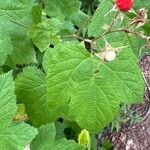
[(51, 46), (96, 71), (60, 120), (76, 27), (48, 17), (68, 132), (87, 45)]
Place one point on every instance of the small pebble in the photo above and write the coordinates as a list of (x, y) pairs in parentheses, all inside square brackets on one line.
[(129, 144), (148, 130)]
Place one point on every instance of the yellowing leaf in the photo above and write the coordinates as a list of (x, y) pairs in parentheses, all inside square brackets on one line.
[(21, 115), (84, 138)]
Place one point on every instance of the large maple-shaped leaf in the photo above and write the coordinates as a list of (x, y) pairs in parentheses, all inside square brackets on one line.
[(12, 135), (90, 89), (46, 140)]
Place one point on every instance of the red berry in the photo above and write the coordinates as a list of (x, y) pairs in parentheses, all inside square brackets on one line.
[(124, 5)]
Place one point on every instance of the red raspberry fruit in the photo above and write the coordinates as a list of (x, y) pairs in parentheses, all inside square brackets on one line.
[(124, 5)]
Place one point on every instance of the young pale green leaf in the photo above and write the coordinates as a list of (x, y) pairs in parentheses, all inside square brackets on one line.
[(6, 46), (44, 34), (85, 139), (101, 20), (45, 140), (12, 136), (61, 9), (90, 89)]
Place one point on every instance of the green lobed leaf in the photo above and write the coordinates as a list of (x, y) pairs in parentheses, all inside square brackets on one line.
[(16, 17), (61, 9), (60, 127), (45, 33), (6, 46), (140, 4), (101, 19), (12, 135), (67, 28), (17, 10), (23, 52), (30, 89), (37, 14), (58, 83), (136, 44), (45, 140), (90, 89), (80, 18)]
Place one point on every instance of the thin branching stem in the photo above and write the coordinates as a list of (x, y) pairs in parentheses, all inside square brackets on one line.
[(113, 22)]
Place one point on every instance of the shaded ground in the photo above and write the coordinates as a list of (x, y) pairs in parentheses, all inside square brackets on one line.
[(137, 137)]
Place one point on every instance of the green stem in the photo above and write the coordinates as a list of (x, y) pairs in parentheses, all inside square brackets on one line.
[(120, 30), (113, 22), (77, 37)]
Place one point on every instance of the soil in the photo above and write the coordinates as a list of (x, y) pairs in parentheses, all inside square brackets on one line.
[(137, 136)]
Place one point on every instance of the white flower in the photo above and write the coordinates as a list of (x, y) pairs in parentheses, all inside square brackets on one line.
[(27, 147), (110, 55)]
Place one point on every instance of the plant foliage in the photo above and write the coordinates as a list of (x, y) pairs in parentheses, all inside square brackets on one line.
[(63, 60)]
